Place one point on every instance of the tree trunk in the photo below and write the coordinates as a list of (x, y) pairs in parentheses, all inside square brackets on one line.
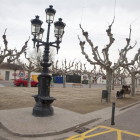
[(113, 82), (123, 81), (64, 81), (133, 84), (95, 81), (108, 82), (89, 81), (29, 82), (136, 82)]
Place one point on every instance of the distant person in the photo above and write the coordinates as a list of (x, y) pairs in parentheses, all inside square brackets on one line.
[(119, 94)]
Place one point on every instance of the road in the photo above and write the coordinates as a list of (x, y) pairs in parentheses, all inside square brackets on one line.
[(68, 85), (59, 85), (127, 127), (6, 83)]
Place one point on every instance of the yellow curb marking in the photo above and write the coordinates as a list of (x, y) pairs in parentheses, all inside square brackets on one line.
[(83, 135)]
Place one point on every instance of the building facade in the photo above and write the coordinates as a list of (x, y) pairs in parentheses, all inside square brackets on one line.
[(12, 71)]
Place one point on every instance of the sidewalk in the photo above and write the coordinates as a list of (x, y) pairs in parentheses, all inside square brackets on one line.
[(20, 124)]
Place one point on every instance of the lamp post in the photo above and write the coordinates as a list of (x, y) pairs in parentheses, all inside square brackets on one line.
[(43, 100)]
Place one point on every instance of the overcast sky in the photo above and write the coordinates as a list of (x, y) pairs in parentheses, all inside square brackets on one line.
[(93, 15)]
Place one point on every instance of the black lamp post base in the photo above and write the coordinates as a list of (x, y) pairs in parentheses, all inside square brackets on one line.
[(42, 110)]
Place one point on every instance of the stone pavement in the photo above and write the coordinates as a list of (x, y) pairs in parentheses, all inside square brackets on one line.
[(18, 124), (21, 122)]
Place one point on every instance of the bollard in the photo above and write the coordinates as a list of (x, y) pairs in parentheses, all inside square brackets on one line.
[(113, 114)]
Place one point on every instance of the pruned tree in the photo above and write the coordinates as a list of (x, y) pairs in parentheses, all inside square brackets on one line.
[(10, 54), (77, 69), (36, 57), (105, 63), (30, 67), (64, 70), (133, 71), (82, 70), (97, 74), (119, 76), (137, 79), (17, 65), (91, 73)]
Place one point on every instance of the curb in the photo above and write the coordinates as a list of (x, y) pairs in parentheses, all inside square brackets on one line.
[(128, 106), (50, 133)]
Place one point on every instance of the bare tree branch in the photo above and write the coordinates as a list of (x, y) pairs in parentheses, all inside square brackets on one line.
[(11, 55), (105, 63)]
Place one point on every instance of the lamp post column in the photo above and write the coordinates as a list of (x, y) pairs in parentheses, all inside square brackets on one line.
[(43, 100)]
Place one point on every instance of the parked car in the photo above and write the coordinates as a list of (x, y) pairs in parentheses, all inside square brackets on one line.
[(23, 81)]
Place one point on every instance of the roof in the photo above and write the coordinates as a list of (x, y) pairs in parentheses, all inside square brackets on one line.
[(11, 66)]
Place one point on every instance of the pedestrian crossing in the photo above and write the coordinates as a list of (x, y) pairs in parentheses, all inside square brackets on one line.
[(2, 85)]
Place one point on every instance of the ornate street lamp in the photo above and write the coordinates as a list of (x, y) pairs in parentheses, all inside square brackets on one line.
[(43, 100)]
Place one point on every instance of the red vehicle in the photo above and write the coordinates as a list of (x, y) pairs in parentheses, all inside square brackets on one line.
[(23, 81)]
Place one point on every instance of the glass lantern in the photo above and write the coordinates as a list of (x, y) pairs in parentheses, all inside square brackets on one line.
[(50, 12), (35, 26)]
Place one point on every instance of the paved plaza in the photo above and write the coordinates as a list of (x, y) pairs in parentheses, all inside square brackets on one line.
[(75, 109)]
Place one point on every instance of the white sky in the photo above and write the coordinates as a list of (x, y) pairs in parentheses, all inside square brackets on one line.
[(94, 15)]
